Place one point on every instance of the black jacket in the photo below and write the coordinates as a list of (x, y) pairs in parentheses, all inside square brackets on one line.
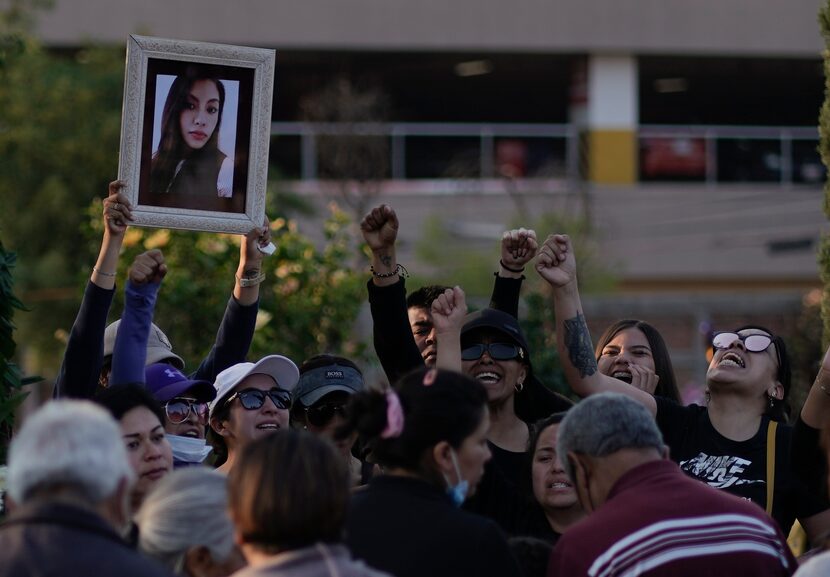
[(56, 540), (409, 528)]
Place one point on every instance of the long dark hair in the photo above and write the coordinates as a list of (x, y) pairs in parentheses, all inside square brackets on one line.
[(778, 410), (172, 147), (667, 384), (437, 406)]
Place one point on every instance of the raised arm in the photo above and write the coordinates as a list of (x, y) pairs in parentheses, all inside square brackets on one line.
[(249, 274), (518, 247), (81, 366), (129, 354), (392, 334), (236, 331), (448, 313), (556, 264), (808, 459)]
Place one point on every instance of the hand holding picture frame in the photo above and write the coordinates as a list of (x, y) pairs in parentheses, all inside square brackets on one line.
[(195, 133)]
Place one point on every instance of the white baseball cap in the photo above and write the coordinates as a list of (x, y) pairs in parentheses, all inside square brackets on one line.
[(281, 369)]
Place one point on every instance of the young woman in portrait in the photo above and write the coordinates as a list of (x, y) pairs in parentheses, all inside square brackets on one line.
[(188, 159)]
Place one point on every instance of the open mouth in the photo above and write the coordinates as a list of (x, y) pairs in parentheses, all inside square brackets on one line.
[(268, 427), (731, 360), (561, 485), (623, 376), (488, 377)]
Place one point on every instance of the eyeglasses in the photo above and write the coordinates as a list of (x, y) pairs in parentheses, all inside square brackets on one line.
[(253, 399), (178, 410), (753, 343), (321, 415), (497, 352)]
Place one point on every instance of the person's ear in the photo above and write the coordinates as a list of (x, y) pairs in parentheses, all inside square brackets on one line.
[(442, 455), (522, 375), (198, 562), (776, 391), (219, 427)]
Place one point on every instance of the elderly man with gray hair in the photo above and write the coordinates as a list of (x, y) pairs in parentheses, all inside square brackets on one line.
[(645, 517), (69, 481)]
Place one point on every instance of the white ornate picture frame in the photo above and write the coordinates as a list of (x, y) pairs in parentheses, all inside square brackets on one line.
[(238, 153)]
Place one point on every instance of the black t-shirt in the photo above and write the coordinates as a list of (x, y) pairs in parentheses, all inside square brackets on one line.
[(738, 467)]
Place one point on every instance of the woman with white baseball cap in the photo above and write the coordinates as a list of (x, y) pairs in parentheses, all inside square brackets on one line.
[(252, 400)]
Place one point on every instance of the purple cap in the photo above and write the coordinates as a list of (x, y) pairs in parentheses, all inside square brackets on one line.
[(166, 382)]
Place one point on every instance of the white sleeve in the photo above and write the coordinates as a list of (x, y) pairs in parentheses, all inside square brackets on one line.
[(224, 183)]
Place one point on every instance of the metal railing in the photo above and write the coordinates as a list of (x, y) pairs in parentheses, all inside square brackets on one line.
[(711, 154), (745, 153), (404, 135)]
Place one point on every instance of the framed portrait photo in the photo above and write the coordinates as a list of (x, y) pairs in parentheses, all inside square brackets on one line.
[(195, 132)]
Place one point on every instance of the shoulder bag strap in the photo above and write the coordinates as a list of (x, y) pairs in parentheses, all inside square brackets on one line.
[(772, 426)]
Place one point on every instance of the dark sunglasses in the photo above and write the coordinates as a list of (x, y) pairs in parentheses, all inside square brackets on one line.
[(497, 352), (752, 343), (252, 399), (178, 410), (321, 415)]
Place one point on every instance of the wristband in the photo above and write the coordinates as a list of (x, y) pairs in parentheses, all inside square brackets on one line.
[(505, 267)]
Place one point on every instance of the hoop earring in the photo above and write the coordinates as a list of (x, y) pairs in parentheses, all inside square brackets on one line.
[(519, 387)]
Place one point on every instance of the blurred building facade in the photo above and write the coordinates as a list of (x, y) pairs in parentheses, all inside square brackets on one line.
[(684, 131)]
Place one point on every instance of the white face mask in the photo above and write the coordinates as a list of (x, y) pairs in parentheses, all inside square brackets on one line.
[(188, 449)]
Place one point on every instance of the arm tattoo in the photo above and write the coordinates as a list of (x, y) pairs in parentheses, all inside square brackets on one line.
[(580, 350)]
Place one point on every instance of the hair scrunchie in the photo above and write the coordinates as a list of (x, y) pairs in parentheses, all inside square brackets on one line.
[(394, 416)]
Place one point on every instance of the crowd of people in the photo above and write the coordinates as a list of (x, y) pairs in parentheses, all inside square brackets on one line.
[(463, 463)]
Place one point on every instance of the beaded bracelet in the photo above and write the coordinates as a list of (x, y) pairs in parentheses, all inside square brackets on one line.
[(399, 270)]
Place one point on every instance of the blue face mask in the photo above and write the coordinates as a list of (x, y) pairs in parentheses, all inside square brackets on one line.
[(457, 492)]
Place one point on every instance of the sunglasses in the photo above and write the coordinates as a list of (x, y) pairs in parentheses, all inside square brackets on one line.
[(752, 343), (178, 410), (497, 352), (321, 415), (253, 399)]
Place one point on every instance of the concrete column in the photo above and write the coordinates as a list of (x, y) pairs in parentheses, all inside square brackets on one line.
[(609, 118)]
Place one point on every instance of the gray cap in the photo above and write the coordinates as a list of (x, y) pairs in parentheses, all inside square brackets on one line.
[(316, 383), (159, 348)]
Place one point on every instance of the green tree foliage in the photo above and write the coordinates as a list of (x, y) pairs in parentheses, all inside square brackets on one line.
[(59, 134), (308, 302), (11, 394), (312, 301), (59, 131), (824, 149)]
